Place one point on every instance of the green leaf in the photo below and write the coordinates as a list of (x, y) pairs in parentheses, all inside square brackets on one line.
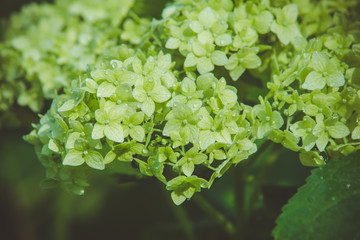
[(196, 26), (160, 94), (139, 94), (204, 65), (262, 22), (327, 206), (157, 168), (190, 60), (175, 182), (314, 80), (223, 39), (172, 43), (137, 133), (206, 138), (338, 130), (117, 112), (251, 61), (148, 107), (94, 160), (177, 198), (319, 61), (219, 58), (101, 116), (336, 79), (356, 133), (53, 146), (68, 105), (114, 132), (198, 49), (207, 17), (311, 159), (188, 168), (73, 158), (290, 13), (98, 131), (106, 89), (188, 86), (110, 156), (137, 118), (228, 97), (322, 141), (81, 144), (237, 72)]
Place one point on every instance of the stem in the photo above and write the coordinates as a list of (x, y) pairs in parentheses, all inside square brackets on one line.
[(135, 16), (215, 214), (266, 169), (62, 218), (183, 220), (240, 205), (240, 178)]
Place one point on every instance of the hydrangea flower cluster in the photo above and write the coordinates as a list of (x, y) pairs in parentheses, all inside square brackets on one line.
[(318, 94), (163, 102), (141, 110), (46, 46), (234, 36), (215, 33)]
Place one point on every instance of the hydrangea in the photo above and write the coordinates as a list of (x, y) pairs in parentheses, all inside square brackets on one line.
[(165, 104), (286, 26), (325, 72), (316, 93), (46, 46), (156, 124)]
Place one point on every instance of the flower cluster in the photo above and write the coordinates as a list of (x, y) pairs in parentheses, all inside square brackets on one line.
[(162, 101), (46, 46), (218, 33), (138, 110), (316, 90)]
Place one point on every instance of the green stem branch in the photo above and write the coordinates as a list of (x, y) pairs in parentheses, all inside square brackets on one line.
[(241, 173), (215, 214)]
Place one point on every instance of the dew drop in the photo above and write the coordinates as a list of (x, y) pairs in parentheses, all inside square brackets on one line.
[(348, 185)]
